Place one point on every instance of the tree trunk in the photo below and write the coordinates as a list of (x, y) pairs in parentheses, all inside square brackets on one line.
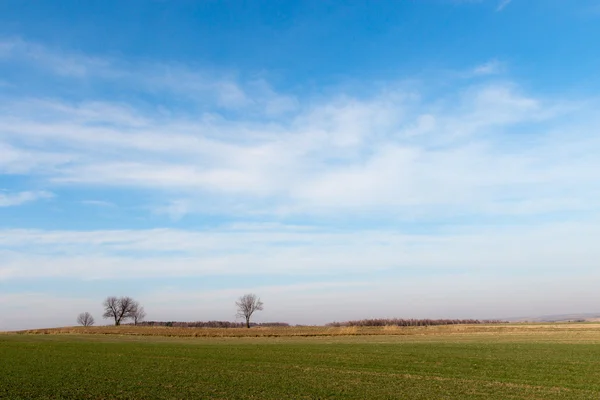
[(248, 323)]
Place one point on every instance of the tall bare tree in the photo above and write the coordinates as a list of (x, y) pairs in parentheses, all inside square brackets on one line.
[(85, 319), (246, 305), (138, 314), (119, 308)]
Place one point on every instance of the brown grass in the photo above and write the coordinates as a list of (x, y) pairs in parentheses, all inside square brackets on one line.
[(308, 331)]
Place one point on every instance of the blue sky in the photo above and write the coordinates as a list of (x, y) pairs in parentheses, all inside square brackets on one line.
[(431, 158)]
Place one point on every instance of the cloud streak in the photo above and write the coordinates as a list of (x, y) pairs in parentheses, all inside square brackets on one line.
[(288, 249), (502, 5), (17, 199), (492, 67), (475, 175), (392, 152)]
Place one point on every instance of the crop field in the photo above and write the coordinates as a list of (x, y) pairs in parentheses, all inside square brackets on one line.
[(565, 330), (560, 361)]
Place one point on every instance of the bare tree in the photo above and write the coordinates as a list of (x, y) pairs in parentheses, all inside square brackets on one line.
[(246, 305), (119, 308), (138, 314), (85, 319)]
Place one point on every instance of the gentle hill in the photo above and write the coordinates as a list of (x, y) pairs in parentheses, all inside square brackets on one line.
[(315, 331)]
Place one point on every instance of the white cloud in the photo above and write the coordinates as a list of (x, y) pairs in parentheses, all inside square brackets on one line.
[(223, 90), (493, 178), (391, 152), (66, 64), (176, 209), (303, 250), (22, 160), (19, 198), (492, 67), (459, 271), (98, 203)]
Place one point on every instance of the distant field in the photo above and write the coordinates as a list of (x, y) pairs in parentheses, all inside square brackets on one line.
[(560, 361), (540, 330)]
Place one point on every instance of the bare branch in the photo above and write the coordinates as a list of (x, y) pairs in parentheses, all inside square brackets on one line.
[(119, 308), (85, 319), (111, 308), (138, 314), (246, 305)]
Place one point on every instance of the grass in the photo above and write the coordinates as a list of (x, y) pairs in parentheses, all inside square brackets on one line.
[(308, 331), (559, 361)]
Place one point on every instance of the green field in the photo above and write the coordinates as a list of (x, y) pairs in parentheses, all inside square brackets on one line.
[(552, 365)]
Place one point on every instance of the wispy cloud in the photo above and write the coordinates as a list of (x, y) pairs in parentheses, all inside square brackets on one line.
[(492, 67), (291, 249), (175, 209), (19, 198), (218, 89), (66, 64), (502, 5), (98, 203), (476, 173), (337, 155)]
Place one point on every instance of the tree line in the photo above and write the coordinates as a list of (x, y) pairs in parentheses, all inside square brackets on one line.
[(125, 308), (213, 324), (413, 322), (121, 309)]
